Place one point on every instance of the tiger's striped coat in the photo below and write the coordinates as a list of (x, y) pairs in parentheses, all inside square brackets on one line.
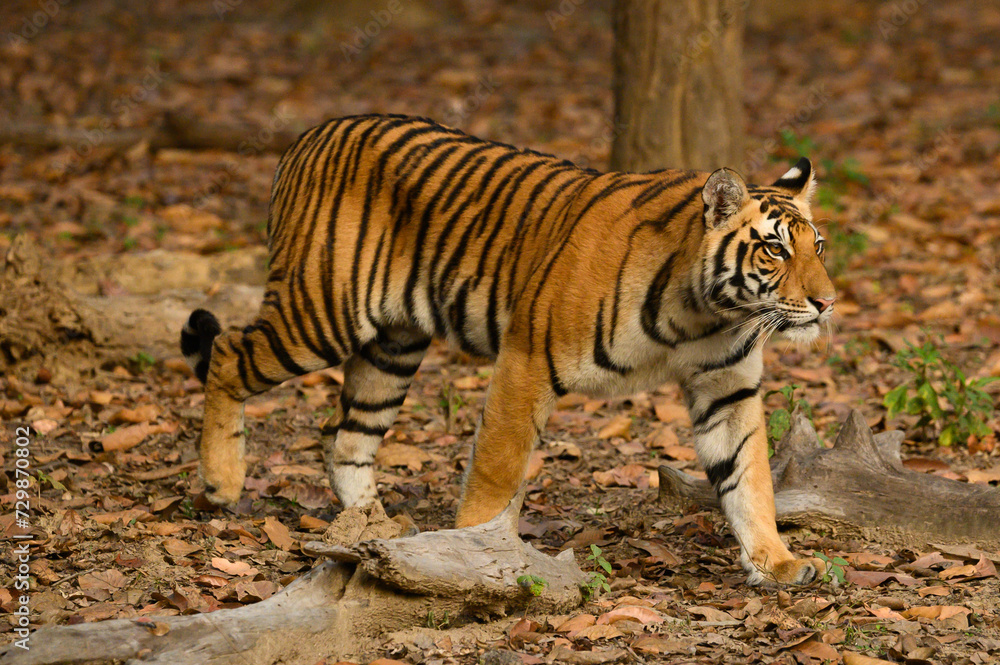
[(386, 231)]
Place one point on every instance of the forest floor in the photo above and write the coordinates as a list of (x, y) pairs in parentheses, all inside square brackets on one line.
[(897, 104)]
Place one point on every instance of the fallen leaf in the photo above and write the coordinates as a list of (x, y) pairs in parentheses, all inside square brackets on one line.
[(656, 550), (535, 462), (402, 454), (295, 469), (710, 613), (278, 533), (619, 426), (659, 645), (576, 623), (633, 613), (132, 436), (987, 476), (933, 591), (139, 414), (957, 571), (851, 658), (925, 464), (239, 568), (598, 632), (671, 412), (684, 453), (179, 548), (873, 578)]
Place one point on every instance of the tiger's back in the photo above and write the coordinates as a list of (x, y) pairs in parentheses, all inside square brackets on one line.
[(386, 231)]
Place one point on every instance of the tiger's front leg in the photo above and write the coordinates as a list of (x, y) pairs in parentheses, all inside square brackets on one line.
[(727, 413)]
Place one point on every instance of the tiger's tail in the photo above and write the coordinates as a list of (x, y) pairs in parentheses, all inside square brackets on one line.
[(197, 336)]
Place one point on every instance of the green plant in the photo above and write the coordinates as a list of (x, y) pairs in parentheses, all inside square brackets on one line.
[(598, 580), (834, 567), (144, 361), (781, 418), (433, 624), (934, 380), (844, 245), (801, 146), (533, 584)]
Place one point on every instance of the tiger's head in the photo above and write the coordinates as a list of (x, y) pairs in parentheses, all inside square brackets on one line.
[(762, 257)]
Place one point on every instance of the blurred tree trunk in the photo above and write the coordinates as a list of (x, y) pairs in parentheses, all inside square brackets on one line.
[(678, 83)]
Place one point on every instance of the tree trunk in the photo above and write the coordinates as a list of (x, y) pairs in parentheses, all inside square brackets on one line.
[(678, 83)]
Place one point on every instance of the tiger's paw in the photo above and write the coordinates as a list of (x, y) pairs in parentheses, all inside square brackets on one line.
[(790, 571), (223, 489)]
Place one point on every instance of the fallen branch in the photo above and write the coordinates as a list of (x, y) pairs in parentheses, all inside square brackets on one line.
[(859, 488), (336, 609)]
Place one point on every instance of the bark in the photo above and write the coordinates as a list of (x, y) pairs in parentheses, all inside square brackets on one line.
[(334, 611), (859, 488), (180, 130), (678, 82)]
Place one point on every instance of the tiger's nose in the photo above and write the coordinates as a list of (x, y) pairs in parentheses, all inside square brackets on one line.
[(821, 304)]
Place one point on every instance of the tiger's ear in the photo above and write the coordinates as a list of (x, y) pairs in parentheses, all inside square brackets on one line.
[(799, 181), (724, 195)]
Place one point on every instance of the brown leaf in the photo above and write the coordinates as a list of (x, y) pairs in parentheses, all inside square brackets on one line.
[(873, 578), (631, 613), (671, 412), (523, 626), (240, 568), (815, 648), (598, 632), (985, 476), (933, 591), (710, 613), (684, 453), (659, 645), (851, 658), (310, 523), (402, 454), (619, 426), (656, 550), (176, 547), (132, 436), (578, 622), (213, 581), (292, 469), (957, 571), (278, 533), (105, 579), (139, 414)]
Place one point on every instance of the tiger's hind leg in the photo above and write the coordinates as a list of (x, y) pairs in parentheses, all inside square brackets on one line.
[(234, 366), (376, 380)]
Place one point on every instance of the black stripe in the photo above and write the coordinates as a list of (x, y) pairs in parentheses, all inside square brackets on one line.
[(387, 365), (735, 357), (723, 402), (351, 425), (718, 473), (601, 357), (557, 386), (723, 491), (357, 464), (650, 314), (349, 404), (391, 347)]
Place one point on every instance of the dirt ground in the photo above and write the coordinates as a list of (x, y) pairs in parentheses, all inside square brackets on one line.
[(896, 102)]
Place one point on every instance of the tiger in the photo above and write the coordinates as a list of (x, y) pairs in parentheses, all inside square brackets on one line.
[(387, 231)]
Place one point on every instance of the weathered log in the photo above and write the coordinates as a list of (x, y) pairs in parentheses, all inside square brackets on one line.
[(336, 609), (47, 322), (176, 129), (860, 488)]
